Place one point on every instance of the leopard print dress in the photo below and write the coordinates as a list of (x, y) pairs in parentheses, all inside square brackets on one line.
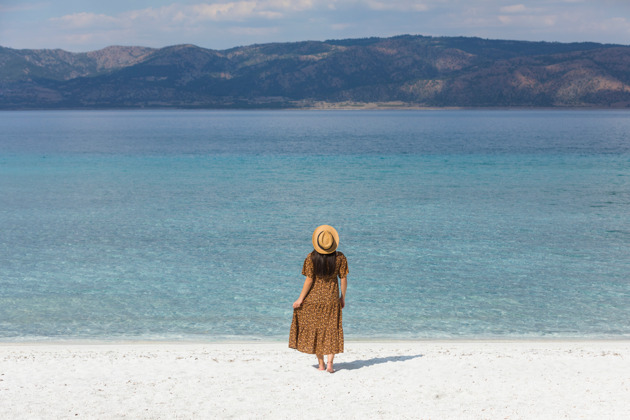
[(316, 326)]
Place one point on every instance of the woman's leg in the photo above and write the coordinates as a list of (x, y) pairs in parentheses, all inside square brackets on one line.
[(320, 359), (330, 363)]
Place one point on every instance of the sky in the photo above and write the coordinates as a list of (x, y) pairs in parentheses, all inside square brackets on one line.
[(87, 25)]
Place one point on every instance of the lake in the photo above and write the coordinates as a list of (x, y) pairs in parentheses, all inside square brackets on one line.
[(178, 224)]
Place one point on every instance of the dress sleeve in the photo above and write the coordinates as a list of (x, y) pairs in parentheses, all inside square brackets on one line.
[(307, 269), (343, 266)]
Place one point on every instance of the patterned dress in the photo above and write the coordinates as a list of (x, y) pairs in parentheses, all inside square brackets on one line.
[(316, 326)]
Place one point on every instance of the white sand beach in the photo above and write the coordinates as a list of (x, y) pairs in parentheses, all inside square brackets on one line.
[(414, 380)]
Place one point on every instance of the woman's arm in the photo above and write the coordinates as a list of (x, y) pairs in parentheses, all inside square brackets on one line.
[(344, 286), (308, 282)]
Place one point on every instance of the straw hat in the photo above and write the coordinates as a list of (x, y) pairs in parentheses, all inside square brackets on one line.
[(325, 239)]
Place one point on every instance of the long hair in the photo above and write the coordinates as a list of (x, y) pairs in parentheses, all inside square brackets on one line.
[(323, 264)]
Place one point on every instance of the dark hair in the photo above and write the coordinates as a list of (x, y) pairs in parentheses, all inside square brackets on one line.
[(323, 264)]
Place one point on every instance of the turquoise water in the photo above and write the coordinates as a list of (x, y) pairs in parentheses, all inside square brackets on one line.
[(195, 224)]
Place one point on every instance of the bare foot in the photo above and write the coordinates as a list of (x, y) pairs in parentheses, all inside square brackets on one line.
[(320, 361), (330, 369)]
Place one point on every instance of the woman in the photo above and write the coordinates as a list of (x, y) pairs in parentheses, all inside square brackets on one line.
[(316, 327)]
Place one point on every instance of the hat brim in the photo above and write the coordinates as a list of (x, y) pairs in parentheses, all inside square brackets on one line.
[(316, 234)]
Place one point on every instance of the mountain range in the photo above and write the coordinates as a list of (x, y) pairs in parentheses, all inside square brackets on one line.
[(401, 71)]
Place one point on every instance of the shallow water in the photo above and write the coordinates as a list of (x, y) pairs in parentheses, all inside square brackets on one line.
[(195, 224)]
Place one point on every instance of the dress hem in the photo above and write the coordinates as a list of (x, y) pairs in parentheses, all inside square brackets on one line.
[(313, 352)]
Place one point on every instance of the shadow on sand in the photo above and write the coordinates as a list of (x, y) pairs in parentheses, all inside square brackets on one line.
[(358, 364)]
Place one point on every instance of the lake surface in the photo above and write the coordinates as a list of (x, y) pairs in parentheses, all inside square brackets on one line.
[(194, 224)]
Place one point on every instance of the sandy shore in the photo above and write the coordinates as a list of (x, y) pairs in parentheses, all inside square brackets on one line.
[(415, 380)]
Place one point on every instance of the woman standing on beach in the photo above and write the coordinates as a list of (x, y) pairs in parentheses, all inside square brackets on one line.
[(316, 327)]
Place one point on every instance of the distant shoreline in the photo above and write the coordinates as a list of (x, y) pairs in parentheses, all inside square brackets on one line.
[(371, 106)]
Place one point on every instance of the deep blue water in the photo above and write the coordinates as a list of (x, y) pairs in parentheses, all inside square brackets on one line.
[(195, 224)]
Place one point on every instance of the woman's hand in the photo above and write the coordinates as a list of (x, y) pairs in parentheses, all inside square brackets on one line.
[(297, 303), (342, 302)]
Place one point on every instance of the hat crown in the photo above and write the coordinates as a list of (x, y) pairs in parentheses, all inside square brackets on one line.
[(325, 240)]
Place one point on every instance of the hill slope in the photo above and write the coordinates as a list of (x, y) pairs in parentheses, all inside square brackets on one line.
[(408, 70)]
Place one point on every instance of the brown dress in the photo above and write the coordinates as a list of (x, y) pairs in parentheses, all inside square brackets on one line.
[(316, 326)]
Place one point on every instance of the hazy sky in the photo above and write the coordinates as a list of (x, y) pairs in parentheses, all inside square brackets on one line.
[(85, 25)]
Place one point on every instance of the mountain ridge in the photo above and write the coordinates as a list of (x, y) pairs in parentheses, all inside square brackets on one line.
[(401, 71)]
